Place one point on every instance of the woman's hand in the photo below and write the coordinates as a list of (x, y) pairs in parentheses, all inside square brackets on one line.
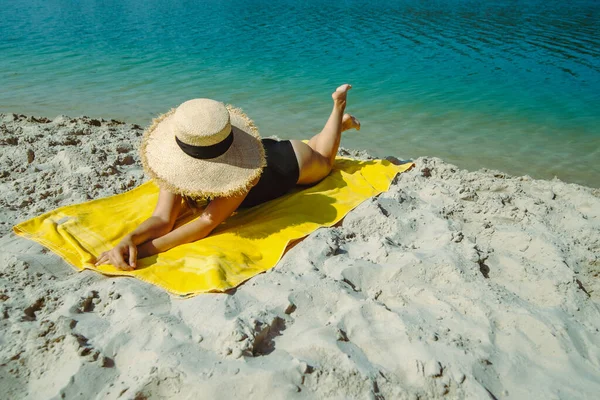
[(123, 256)]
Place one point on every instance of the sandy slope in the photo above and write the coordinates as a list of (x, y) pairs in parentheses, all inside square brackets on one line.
[(453, 284)]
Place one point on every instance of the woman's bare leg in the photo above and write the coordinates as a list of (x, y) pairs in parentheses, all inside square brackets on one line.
[(316, 158)]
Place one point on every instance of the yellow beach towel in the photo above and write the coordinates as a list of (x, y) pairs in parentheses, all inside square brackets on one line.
[(247, 243)]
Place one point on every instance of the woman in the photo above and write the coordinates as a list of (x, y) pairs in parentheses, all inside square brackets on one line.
[(204, 149)]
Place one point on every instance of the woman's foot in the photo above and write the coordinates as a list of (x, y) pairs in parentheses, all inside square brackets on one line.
[(339, 96), (350, 122)]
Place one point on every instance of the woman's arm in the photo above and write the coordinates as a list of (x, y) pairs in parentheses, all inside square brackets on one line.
[(163, 218), (125, 254), (216, 212)]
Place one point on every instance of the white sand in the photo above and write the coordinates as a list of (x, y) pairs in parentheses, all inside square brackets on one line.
[(459, 285)]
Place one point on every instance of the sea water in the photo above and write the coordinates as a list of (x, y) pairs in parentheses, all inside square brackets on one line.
[(510, 85)]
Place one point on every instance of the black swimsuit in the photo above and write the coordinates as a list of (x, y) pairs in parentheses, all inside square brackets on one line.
[(278, 177)]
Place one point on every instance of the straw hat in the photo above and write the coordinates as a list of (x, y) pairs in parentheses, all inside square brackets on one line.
[(203, 148)]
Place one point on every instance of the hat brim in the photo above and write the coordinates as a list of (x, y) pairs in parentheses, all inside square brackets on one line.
[(230, 174)]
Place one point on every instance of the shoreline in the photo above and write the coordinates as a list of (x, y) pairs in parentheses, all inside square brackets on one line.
[(474, 154), (452, 284)]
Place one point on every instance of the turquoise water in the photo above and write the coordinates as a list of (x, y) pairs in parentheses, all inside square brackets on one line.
[(511, 85)]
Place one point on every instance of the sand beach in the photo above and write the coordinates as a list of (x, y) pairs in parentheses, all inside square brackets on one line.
[(452, 284)]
